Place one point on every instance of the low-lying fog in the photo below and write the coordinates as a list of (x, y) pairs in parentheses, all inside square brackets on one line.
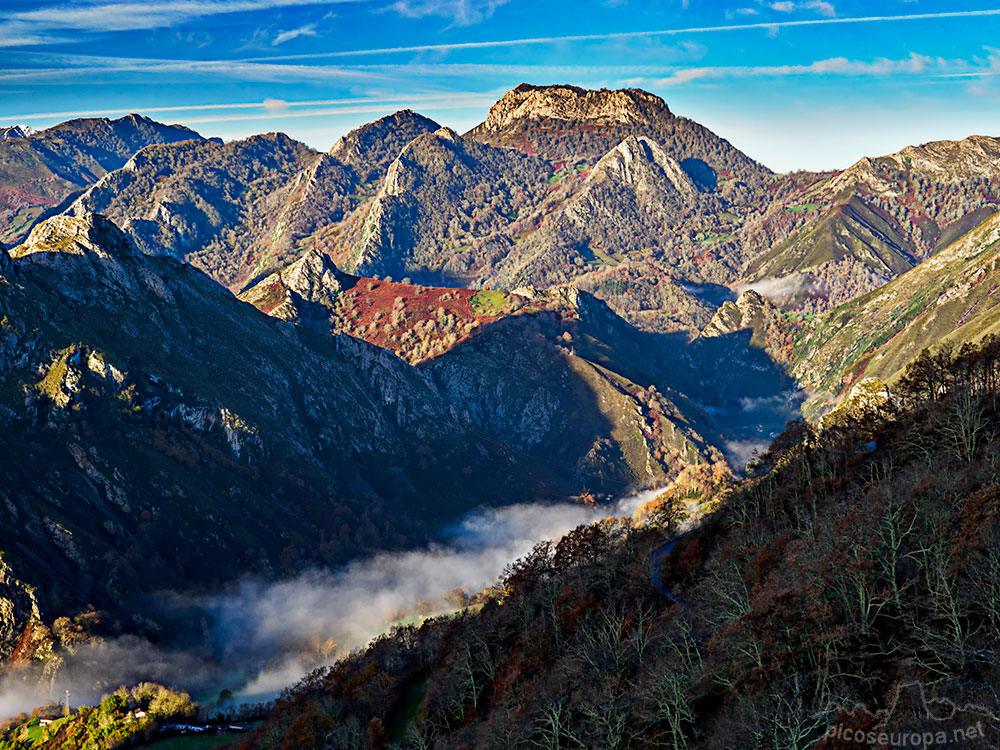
[(258, 637)]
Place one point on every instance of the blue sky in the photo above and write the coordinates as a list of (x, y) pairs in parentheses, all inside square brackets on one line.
[(808, 84)]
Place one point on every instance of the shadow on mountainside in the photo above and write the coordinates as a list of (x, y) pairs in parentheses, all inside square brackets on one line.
[(726, 393)]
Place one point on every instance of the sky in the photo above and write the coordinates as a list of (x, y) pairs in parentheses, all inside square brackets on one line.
[(796, 84)]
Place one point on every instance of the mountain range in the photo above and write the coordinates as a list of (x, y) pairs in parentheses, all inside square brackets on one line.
[(252, 357)]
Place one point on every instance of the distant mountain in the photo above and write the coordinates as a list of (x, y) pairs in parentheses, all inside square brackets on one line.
[(444, 209), (635, 192), (216, 205), (41, 171), (574, 124), (157, 432), (950, 298), (641, 189), (242, 209), (16, 131), (371, 148), (878, 218)]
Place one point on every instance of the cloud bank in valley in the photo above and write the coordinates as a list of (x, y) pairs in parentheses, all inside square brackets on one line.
[(262, 636)]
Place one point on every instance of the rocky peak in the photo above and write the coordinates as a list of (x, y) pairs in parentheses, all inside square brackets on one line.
[(640, 163), (447, 134), (370, 148), (570, 103), (16, 131), (86, 234), (750, 310), (975, 156), (5, 263), (945, 161), (314, 276)]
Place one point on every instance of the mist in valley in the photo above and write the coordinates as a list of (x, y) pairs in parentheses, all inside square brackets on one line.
[(258, 637)]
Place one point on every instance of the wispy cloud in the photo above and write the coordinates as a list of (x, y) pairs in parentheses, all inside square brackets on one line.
[(287, 36), (228, 69), (914, 64), (763, 25), (459, 12), (49, 25), (477, 102), (788, 6), (55, 66), (277, 106)]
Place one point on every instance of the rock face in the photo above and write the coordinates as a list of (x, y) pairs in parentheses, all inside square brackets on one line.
[(156, 431), (640, 164), (749, 311), (18, 609), (977, 156), (570, 103), (536, 119), (77, 235), (293, 293)]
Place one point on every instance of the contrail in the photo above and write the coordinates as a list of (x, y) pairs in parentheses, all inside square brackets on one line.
[(632, 34), (274, 105)]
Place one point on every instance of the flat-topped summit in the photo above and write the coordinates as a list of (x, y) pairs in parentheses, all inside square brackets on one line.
[(571, 103)]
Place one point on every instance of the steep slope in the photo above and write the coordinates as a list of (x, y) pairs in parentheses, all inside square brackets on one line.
[(628, 207), (441, 208), (949, 298), (39, 171), (838, 595), (205, 202), (878, 218), (555, 374), (242, 209), (158, 434)]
